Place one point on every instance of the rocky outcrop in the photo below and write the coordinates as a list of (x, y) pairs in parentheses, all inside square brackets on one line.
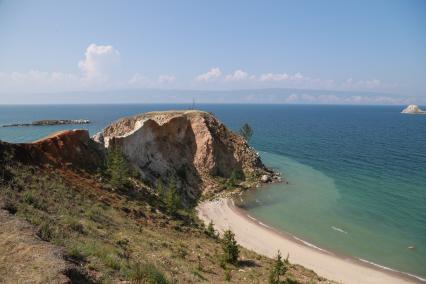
[(191, 147), (69, 148), (413, 109), (48, 122)]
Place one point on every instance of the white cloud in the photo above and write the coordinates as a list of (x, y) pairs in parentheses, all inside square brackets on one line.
[(277, 77), (362, 84), (211, 75), (166, 79), (306, 98), (99, 72), (238, 75), (99, 62)]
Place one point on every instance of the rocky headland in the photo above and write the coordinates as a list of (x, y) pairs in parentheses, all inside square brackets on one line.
[(190, 147)]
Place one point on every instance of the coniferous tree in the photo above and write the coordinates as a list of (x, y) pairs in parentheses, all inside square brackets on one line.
[(172, 198), (277, 270), (211, 232), (230, 247), (117, 168), (246, 131)]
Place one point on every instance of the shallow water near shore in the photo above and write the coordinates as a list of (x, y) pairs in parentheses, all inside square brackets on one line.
[(311, 208), (356, 174)]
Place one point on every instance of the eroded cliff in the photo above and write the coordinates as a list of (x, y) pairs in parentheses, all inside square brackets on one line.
[(192, 148)]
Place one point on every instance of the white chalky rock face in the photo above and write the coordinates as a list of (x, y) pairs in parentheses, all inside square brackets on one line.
[(413, 109), (192, 145)]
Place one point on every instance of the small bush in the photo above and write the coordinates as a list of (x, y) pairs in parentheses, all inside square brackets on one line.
[(112, 261), (45, 232), (76, 253), (75, 226), (146, 273), (29, 198), (227, 275)]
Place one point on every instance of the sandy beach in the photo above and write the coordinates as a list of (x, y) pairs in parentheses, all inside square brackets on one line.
[(265, 240)]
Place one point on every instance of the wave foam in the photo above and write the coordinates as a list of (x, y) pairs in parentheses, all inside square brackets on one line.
[(310, 245), (394, 270), (339, 230)]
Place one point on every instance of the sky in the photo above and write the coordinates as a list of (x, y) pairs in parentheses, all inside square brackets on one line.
[(373, 52)]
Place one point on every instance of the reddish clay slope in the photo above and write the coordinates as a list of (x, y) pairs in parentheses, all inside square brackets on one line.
[(69, 148)]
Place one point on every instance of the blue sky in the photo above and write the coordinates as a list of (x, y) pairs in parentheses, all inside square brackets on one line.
[(357, 46)]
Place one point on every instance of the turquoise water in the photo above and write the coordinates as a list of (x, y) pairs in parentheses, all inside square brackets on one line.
[(356, 174), (312, 208)]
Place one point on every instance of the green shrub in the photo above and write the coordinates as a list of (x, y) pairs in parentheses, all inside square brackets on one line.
[(211, 232), (31, 198), (234, 179), (45, 232), (230, 247), (112, 261)]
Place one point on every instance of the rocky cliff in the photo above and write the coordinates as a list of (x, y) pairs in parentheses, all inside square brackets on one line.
[(191, 147), (69, 148)]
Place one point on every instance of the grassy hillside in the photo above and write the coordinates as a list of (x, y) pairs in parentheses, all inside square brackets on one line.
[(110, 235)]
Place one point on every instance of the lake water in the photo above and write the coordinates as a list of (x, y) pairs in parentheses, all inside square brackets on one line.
[(356, 174)]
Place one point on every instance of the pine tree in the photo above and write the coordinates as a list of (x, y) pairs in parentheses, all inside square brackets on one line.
[(246, 131), (172, 198), (277, 270), (211, 232), (117, 168), (230, 247)]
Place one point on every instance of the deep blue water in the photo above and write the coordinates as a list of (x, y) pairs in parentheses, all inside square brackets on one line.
[(357, 169)]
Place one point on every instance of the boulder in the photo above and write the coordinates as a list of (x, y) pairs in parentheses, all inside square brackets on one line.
[(266, 178)]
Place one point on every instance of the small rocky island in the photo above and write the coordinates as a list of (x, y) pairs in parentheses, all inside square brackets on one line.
[(413, 109), (47, 122)]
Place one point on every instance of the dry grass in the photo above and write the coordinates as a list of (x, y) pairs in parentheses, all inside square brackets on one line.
[(116, 236)]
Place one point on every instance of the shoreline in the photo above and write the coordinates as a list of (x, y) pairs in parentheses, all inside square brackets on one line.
[(263, 239)]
